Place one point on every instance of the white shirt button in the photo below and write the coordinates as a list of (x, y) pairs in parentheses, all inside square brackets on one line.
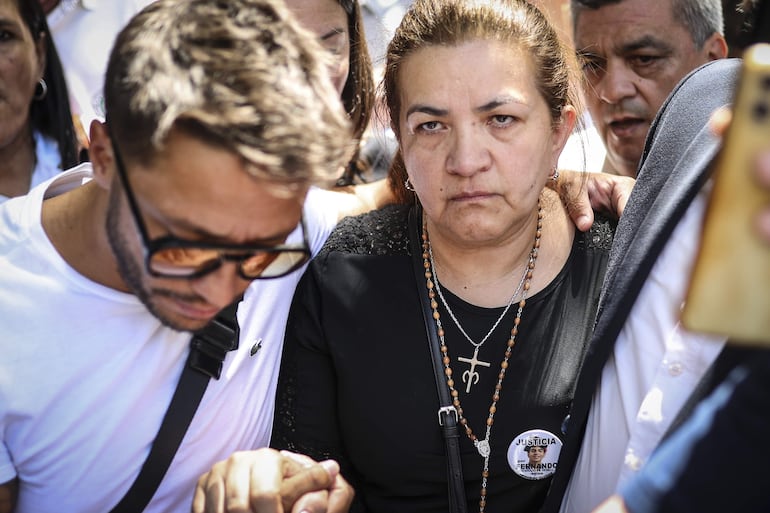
[(675, 368), (632, 461)]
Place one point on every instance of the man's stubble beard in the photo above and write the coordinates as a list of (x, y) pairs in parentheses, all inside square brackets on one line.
[(130, 269)]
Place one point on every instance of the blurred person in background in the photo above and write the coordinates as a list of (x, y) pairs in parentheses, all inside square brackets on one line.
[(633, 53), (37, 137), (84, 31)]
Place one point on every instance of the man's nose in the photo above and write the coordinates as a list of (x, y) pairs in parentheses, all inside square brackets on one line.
[(616, 83), (221, 286)]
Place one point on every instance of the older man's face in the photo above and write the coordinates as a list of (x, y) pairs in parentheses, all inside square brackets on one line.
[(633, 53)]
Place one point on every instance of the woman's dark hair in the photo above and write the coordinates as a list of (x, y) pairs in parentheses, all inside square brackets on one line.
[(453, 22), (51, 115), (358, 94)]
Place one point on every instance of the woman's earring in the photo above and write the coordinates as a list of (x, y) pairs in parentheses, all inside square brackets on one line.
[(41, 89), (554, 175), (408, 185)]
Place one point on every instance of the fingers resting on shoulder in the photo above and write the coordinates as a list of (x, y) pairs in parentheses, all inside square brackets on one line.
[(583, 193)]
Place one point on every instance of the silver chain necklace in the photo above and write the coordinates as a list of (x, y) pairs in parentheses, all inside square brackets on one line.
[(471, 376), (484, 446)]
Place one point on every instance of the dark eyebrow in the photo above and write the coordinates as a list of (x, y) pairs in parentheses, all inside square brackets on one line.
[(270, 240), (489, 106), (644, 42), (5, 22), (333, 32), (262, 241), (174, 225), (497, 102), (426, 109), (585, 53), (647, 41)]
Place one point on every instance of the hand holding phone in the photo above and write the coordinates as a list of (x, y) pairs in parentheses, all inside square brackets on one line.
[(729, 291)]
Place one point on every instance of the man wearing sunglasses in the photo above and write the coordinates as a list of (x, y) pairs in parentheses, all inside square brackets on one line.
[(219, 119)]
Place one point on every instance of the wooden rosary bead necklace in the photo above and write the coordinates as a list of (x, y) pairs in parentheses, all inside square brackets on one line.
[(471, 376), (482, 446)]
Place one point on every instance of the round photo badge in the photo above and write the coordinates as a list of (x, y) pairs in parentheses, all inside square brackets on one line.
[(534, 453)]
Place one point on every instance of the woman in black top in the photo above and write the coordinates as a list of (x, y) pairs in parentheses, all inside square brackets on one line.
[(482, 99)]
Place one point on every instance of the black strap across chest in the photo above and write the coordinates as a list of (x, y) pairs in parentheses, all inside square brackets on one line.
[(208, 349), (447, 414)]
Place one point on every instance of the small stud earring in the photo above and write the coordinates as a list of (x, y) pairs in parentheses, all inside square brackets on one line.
[(554, 175), (408, 185)]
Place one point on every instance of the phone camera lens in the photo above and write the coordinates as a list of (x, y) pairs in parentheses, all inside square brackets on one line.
[(760, 111), (765, 82)]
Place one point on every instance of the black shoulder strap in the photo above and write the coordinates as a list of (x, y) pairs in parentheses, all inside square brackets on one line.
[(208, 349), (447, 414)]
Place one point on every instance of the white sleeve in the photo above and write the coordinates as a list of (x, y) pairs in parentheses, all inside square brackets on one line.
[(321, 213)]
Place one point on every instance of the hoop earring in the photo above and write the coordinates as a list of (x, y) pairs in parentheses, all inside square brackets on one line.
[(408, 185), (554, 175), (41, 89)]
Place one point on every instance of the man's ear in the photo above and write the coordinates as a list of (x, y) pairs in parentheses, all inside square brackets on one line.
[(100, 154), (715, 47)]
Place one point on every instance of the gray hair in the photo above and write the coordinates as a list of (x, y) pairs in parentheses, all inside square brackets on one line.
[(239, 74), (701, 18)]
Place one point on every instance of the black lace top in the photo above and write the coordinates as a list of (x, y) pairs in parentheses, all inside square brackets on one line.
[(357, 385)]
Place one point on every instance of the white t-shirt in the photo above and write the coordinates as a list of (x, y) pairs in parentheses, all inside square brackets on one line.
[(584, 150), (48, 161), (84, 32), (654, 367), (263, 313), (87, 373)]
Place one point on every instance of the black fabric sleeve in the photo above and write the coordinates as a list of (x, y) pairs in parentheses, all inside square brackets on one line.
[(306, 413)]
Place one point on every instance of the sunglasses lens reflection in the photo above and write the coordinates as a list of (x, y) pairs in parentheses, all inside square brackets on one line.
[(271, 265), (183, 261), (189, 262), (257, 264)]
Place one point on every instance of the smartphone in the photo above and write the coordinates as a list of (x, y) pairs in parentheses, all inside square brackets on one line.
[(729, 291)]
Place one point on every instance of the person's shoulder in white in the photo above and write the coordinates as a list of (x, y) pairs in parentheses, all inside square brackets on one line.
[(84, 31), (584, 150)]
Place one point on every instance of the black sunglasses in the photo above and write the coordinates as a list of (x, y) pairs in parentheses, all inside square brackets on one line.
[(172, 257)]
